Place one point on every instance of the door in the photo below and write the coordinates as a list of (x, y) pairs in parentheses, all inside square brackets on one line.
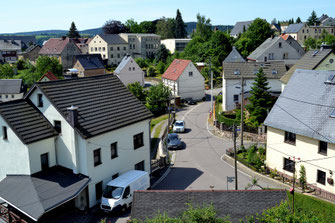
[(44, 161), (127, 196)]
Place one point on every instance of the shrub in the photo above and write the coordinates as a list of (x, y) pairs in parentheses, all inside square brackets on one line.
[(151, 71), (302, 179)]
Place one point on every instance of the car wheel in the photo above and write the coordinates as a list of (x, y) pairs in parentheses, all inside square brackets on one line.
[(124, 209)]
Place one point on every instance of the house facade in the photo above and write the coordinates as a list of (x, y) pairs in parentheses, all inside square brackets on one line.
[(239, 28), (233, 71), (174, 45), (300, 130), (31, 53), (9, 50), (11, 89), (89, 65), (129, 72), (184, 80)]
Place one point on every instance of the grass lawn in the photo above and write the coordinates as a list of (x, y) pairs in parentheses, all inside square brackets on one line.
[(157, 120), (305, 204)]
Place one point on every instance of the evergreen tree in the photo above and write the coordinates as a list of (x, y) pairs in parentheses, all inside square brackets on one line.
[(203, 28), (313, 19), (298, 20), (166, 28), (180, 31), (260, 99), (162, 53), (73, 32)]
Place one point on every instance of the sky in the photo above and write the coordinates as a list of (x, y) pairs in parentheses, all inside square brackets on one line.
[(33, 15)]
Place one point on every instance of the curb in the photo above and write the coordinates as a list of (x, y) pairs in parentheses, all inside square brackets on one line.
[(162, 177)]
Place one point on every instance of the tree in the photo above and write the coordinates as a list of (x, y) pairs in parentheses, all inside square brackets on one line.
[(114, 27), (180, 30), (203, 28), (310, 43), (73, 32), (160, 67), (151, 71), (302, 179), (45, 64), (165, 28), (219, 46), (148, 27), (157, 98), (298, 20), (162, 53), (133, 27), (260, 99), (313, 19), (141, 62), (137, 90), (6, 71)]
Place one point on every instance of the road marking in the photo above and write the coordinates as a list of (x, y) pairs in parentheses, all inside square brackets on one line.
[(234, 167)]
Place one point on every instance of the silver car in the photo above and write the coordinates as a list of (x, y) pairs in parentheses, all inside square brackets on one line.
[(173, 141), (179, 126)]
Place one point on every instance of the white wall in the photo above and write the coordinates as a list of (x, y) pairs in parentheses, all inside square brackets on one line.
[(127, 156), (10, 97), (131, 76), (306, 149), (14, 158)]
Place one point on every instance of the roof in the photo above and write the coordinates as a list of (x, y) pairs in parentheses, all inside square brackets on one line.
[(142, 34), (235, 70), (284, 36), (26, 121), (175, 69), (305, 106), (43, 191), (127, 178), (268, 43), (90, 61), (238, 28), (26, 39), (54, 46), (104, 103), (234, 56), (123, 63), (50, 76), (10, 86), (276, 26), (31, 48), (294, 28), (309, 61), (10, 45), (113, 39), (147, 204)]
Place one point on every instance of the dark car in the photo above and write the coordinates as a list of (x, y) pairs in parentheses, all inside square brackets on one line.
[(173, 141), (190, 101)]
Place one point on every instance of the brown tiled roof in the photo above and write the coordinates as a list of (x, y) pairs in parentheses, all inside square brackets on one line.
[(54, 46), (175, 69), (50, 76), (234, 70), (284, 36), (309, 62)]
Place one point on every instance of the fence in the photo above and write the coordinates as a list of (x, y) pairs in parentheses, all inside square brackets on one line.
[(9, 216)]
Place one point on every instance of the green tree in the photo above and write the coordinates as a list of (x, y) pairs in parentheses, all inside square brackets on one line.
[(260, 99), (220, 47), (151, 71), (196, 50), (160, 67), (157, 99), (6, 71), (313, 19), (141, 62), (203, 28), (298, 20), (310, 43), (133, 26), (137, 90), (45, 64), (73, 32), (302, 179), (180, 30), (165, 28), (162, 53), (148, 27), (114, 27)]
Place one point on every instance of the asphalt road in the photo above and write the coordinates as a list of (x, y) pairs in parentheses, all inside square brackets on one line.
[(198, 166)]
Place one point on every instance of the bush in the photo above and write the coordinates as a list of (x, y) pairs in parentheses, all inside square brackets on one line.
[(160, 67), (302, 179), (151, 72), (218, 99)]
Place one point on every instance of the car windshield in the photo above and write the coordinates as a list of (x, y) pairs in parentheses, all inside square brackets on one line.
[(173, 137), (113, 192), (179, 124)]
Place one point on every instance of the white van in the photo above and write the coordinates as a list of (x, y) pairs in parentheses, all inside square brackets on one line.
[(118, 194)]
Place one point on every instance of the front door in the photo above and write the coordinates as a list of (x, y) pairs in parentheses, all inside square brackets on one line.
[(44, 161)]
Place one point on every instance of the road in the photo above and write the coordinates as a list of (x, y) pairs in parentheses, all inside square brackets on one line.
[(199, 166)]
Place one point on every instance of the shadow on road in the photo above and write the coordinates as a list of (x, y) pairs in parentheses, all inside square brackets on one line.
[(179, 178)]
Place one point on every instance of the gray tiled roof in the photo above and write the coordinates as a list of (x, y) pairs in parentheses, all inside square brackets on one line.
[(25, 39), (236, 204), (294, 28), (234, 56), (305, 106), (36, 194), (248, 69), (309, 61), (113, 39), (264, 47), (31, 47), (26, 121), (123, 63), (10, 45), (90, 61), (238, 28), (10, 86), (104, 103)]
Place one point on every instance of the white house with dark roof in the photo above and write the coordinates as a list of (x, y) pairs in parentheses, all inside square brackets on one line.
[(301, 130), (234, 56), (96, 135), (239, 28), (184, 80), (11, 89), (129, 72)]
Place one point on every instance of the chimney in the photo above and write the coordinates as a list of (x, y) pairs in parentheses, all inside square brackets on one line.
[(72, 115)]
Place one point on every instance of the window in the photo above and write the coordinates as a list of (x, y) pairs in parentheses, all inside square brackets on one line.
[(124, 48), (321, 177), (118, 48), (12, 96), (44, 161), (97, 157), (265, 59), (190, 74), (111, 48), (129, 68), (237, 72), (279, 44), (91, 48), (235, 97), (95, 49), (118, 56), (112, 56), (140, 166), (289, 165), (58, 126), (114, 150), (138, 140), (103, 48), (130, 46), (303, 31), (323, 147), (99, 48), (98, 190), (133, 68), (115, 176), (307, 30), (134, 46), (289, 138), (4, 133), (285, 56), (39, 100), (6, 95), (271, 56)]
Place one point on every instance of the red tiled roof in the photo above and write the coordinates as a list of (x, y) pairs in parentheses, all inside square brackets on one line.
[(175, 69), (50, 76), (54, 46), (284, 36)]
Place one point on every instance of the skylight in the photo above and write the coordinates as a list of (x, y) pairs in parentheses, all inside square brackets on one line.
[(333, 114)]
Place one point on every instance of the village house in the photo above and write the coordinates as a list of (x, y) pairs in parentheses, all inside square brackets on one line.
[(184, 80), (9, 50), (74, 137), (49, 76), (89, 65), (239, 28), (234, 56), (11, 89), (31, 53), (300, 130), (129, 72), (26, 41)]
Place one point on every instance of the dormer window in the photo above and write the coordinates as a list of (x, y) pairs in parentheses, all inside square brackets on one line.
[(280, 45), (237, 72), (4, 133), (39, 100)]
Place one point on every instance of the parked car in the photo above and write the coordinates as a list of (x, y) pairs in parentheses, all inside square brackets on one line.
[(190, 101), (118, 194), (173, 141), (179, 126)]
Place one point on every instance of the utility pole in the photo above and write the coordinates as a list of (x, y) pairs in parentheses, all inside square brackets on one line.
[(174, 103), (211, 73), (242, 108), (234, 135), (293, 184)]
